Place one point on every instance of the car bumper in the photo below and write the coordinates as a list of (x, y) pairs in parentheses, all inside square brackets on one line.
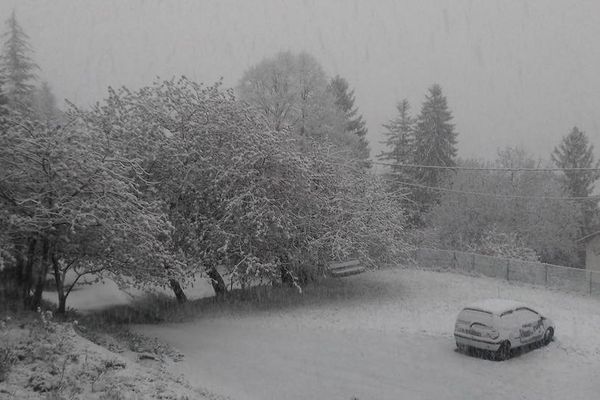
[(477, 343)]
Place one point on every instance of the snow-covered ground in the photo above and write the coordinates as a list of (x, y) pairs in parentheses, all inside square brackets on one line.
[(101, 295), (392, 341)]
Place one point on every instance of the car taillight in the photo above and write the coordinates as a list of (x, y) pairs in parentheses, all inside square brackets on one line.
[(493, 334)]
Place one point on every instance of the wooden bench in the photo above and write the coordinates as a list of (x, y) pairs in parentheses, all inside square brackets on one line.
[(346, 268)]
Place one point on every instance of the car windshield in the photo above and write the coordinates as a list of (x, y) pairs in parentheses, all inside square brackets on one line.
[(469, 316)]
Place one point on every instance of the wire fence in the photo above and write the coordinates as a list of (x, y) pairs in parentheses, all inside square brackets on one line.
[(536, 273)]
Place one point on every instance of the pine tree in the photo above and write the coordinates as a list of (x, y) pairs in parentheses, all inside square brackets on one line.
[(3, 100), (355, 125), (399, 142), (575, 151), (44, 103), (435, 145), (17, 66)]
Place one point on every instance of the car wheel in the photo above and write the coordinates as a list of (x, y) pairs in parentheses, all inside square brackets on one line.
[(461, 347), (503, 353), (548, 335)]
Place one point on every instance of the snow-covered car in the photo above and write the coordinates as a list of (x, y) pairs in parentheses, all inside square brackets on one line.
[(499, 325)]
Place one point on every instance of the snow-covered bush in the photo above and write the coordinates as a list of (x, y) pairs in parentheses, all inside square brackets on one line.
[(176, 179), (264, 204), (7, 360), (7, 355), (527, 205), (500, 244), (71, 200)]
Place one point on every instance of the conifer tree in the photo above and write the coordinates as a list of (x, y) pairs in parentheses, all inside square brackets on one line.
[(435, 145), (18, 68), (354, 123), (399, 142), (3, 100), (44, 103), (575, 151)]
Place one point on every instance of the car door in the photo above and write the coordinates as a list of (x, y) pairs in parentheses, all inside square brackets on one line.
[(538, 325), (474, 323), (510, 328), (530, 325)]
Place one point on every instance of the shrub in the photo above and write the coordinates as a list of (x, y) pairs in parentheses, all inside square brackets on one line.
[(7, 360)]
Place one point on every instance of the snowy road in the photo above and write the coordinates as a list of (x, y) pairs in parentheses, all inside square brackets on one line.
[(397, 346)]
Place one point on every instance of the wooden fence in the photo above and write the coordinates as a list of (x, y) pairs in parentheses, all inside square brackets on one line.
[(548, 275)]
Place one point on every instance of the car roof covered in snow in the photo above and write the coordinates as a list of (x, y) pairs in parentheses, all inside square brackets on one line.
[(495, 306)]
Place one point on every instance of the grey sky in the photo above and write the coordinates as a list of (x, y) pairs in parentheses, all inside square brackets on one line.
[(515, 72)]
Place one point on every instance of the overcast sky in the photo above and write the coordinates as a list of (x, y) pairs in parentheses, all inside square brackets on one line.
[(514, 72)]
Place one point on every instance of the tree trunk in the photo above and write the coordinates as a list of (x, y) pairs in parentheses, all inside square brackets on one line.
[(62, 304), (286, 277), (306, 276), (179, 293), (20, 269), (26, 283), (10, 277), (217, 282), (7, 287), (43, 273), (60, 287)]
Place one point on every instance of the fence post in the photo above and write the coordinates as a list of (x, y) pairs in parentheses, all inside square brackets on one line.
[(508, 269), (546, 280), (472, 262), (590, 282)]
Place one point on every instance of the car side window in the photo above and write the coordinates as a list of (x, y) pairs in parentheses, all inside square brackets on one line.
[(507, 319), (519, 317), (525, 316)]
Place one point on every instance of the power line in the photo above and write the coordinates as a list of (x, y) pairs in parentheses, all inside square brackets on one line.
[(485, 194), (506, 196), (517, 169)]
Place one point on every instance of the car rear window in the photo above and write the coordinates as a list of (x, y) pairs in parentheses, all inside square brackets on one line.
[(468, 316)]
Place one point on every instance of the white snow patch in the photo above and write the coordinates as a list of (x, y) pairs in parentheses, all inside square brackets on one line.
[(394, 341), (102, 295)]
